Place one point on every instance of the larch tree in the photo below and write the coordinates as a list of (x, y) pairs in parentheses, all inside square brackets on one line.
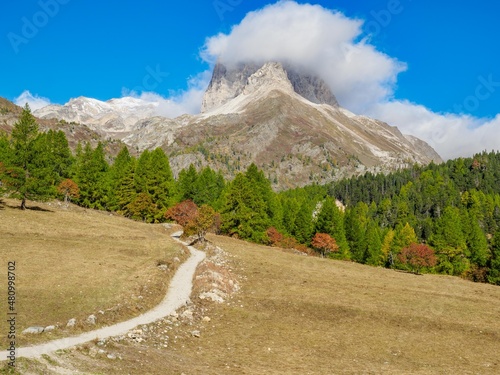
[(244, 211), (494, 273), (28, 172), (91, 172), (116, 175)]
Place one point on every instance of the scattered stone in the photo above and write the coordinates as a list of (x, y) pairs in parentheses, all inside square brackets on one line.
[(92, 319), (111, 356), (135, 335), (206, 319), (49, 328), (163, 267), (214, 297), (93, 352), (71, 323), (176, 260), (188, 314), (101, 312), (196, 334), (34, 330)]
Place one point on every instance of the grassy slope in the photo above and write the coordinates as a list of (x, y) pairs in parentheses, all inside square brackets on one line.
[(74, 262), (302, 315)]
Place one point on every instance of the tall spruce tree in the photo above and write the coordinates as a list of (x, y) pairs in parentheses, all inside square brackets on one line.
[(303, 223), (355, 225), (244, 211), (154, 177), (330, 221), (28, 172), (373, 245), (91, 169), (208, 187), (494, 273), (449, 242), (187, 185), (116, 176)]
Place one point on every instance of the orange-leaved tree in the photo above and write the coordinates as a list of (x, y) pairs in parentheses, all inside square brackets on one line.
[(182, 212), (324, 243), (200, 223), (69, 189), (275, 237), (194, 220), (417, 256)]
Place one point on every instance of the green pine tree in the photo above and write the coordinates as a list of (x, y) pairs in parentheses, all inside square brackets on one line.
[(91, 169), (303, 223), (494, 273), (449, 242), (28, 173), (373, 254), (330, 220), (116, 175), (187, 185), (244, 212)]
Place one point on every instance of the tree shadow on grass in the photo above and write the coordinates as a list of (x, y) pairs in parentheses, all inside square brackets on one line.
[(407, 271), (29, 208), (2, 204), (36, 208)]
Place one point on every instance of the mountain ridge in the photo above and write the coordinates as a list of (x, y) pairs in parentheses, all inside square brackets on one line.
[(285, 120)]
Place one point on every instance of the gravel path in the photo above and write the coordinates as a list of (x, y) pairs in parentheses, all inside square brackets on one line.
[(178, 293)]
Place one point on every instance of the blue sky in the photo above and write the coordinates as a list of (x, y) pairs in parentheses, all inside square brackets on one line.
[(447, 54)]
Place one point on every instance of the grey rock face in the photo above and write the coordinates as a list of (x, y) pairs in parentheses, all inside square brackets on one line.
[(229, 82), (311, 87)]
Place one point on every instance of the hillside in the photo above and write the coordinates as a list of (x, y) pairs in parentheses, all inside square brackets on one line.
[(73, 262), (303, 315), (285, 120), (75, 132)]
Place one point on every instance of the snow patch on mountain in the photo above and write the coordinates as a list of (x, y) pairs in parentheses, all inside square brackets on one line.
[(113, 116)]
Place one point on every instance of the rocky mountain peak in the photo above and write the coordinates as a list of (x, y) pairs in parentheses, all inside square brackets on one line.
[(272, 75), (228, 82)]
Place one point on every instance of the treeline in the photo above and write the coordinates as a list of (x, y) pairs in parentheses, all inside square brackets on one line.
[(453, 207), (439, 218)]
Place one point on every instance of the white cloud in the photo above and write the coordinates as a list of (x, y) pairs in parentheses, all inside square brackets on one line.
[(363, 79), (451, 135), (180, 102), (320, 40), (34, 101)]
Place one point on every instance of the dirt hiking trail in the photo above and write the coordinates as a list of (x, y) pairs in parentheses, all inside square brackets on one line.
[(178, 293)]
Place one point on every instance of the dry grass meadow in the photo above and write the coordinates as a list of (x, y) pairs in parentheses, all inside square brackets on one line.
[(303, 315), (73, 262)]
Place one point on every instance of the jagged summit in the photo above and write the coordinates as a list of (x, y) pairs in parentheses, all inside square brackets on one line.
[(228, 83), (284, 119)]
